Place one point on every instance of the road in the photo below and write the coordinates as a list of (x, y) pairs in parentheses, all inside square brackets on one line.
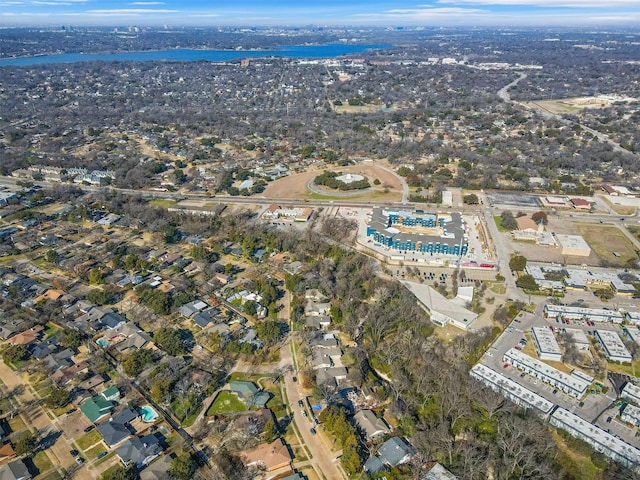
[(323, 461), (503, 93)]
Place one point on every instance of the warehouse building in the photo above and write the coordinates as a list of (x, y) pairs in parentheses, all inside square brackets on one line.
[(574, 245), (631, 393), (513, 391), (573, 385), (580, 313), (433, 233), (614, 348), (441, 310), (546, 344), (602, 441), (631, 414)]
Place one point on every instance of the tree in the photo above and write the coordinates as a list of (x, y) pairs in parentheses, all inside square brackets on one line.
[(95, 277), (508, 222), (471, 199), (134, 363), (58, 398), (15, 353), (271, 432), (169, 340), (183, 467), (249, 307), (518, 263), (25, 444), (71, 339), (540, 217), (121, 473), (51, 256), (269, 331), (527, 282)]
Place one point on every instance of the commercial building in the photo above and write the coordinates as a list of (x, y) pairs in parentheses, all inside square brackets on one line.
[(632, 332), (578, 337), (433, 233), (602, 441), (580, 313), (631, 393), (546, 344), (442, 310), (297, 214), (574, 245), (574, 385), (631, 414), (613, 347), (515, 392), (633, 318)]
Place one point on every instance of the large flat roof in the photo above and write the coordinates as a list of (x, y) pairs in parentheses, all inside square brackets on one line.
[(546, 341)]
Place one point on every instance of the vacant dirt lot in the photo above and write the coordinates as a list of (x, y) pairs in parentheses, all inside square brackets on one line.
[(294, 186)]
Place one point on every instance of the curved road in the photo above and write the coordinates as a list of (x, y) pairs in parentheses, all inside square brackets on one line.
[(503, 93)]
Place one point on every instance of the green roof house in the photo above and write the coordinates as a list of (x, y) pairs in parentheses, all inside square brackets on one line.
[(244, 390), (96, 408), (111, 393)]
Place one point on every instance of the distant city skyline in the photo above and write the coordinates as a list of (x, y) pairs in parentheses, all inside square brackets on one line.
[(326, 12)]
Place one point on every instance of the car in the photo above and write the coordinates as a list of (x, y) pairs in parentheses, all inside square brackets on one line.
[(73, 452), (101, 454), (522, 375), (505, 365), (295, 379), (79, 460), (71, 411), (581, 404), (313, 431), (300, 404), (89, 428), (608, 419), (304, 414), (555, 390)]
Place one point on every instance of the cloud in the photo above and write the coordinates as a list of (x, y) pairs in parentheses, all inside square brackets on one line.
[(147, 3), (129, 11), (548, 3)]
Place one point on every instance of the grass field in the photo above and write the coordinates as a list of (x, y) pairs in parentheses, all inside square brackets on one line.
[(634, 230), (633, 369), (498, 220), (41, 461), (162, 203), (581, 463), (620, 209), (88, 440), (604, 240), (93, 452), (226, 402)]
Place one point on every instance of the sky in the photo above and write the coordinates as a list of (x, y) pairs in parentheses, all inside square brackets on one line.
[(320, 12)]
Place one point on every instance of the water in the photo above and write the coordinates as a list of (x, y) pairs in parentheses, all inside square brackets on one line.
[(148, 414), (190, 55)]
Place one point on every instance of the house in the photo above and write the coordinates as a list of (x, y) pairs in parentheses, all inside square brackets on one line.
[(111, 320), (6, 453), (157, 470), (205, 317), (244, 390), (191, 308), (317, 322), (27, 337), (268, 456), (370, 425), (394, 452), (113, 432), (139, 450), (97, 408), (437, 472), (253, 423), (324, 341), (373, 465), (44, 348), (293, 267), (15, 470), (331, 376), (527, 224), (112, 393)]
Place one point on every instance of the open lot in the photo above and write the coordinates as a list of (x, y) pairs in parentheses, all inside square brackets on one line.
[(226, 402), (605, 240), (294, 186)]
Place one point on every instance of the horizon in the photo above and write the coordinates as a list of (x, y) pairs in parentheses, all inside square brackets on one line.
[(329, 13)]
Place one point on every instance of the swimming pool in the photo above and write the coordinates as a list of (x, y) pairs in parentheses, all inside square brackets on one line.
[(102, 342), (148, 414)]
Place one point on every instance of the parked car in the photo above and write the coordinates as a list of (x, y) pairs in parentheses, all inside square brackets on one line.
[(73, 452), (89, 428), (79, 460), (101, 454), (300, 404), (313, 431)]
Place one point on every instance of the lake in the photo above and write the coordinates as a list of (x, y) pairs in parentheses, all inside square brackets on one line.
[(191, 55)]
